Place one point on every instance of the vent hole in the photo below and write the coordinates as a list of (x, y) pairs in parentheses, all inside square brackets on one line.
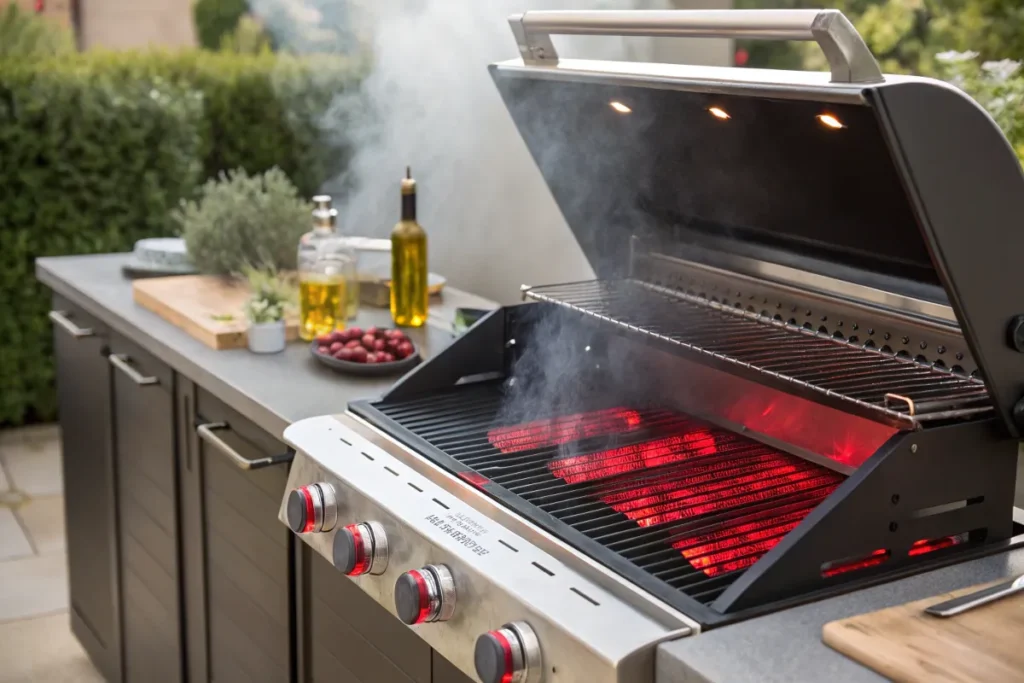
[(886, 349), (510, 547), (854, 340), (441, 504), (946, 507), (959, 369), (586, 597), (852, 564), (543, 569), (415, 487), (390, 470), (823, 330), (347, 443), (367, 455)]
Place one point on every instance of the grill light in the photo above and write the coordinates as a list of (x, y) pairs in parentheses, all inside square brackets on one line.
[(830, 121), (620, 107), (719, 113)]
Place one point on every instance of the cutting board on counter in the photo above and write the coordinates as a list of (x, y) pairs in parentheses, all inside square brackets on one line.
[(208, 307), (905, 644)]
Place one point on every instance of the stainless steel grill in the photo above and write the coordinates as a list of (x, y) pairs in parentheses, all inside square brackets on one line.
[(689, 503), (886, 386)]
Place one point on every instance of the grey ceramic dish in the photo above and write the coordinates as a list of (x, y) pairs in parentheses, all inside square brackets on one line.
[(367, 369)]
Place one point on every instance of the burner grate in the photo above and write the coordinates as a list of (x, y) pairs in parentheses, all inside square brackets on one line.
[(897, 390), (686, 502)]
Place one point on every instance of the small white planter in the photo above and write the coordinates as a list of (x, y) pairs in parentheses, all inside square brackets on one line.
[(267, 337)]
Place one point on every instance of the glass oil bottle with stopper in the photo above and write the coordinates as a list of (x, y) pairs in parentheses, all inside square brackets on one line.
[(409, 295), (325, 264)]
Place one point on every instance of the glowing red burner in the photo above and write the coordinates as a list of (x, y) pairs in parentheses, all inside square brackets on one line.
[(564, 429), (931, 545), (639, 456)]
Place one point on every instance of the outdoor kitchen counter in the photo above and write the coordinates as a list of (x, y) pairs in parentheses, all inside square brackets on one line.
[(786, 647), (271, 390)]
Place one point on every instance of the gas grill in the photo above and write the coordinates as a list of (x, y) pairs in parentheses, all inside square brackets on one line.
[(799, 370)]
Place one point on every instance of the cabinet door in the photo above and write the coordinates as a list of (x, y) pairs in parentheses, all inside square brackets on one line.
[(83, 402), (445, 672), (247, 567), (350, 638), (147, 490)]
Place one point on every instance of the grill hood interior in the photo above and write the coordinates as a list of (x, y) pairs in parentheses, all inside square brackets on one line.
[(918, 194)]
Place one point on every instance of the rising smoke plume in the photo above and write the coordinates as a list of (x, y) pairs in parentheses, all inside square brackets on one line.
[(429, 102)]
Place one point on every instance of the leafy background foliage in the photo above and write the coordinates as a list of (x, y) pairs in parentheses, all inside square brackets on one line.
[(98, 148)]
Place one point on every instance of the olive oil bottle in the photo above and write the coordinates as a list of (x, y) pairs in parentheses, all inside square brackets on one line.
[(409, 293), (325, 266)]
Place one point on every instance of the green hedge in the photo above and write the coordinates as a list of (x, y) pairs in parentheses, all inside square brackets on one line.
[(95, 150)]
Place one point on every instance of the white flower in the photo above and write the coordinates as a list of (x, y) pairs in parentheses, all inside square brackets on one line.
[(1002, 70), (953, 57)]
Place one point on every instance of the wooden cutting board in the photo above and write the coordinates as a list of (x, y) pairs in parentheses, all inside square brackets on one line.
[(905, 644), (208, 307)]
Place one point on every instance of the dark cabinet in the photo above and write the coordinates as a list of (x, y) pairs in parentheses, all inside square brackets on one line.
[(349, 638), (83, 399), (147, 494), (239, 567)]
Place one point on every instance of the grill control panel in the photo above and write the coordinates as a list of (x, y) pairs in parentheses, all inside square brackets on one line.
[(416, 542)]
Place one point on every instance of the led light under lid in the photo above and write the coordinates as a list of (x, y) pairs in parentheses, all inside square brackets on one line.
[(830, 121), (620, 107), (719, 113)]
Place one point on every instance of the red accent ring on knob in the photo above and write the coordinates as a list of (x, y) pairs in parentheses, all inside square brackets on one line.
[(362, 561), (310, 516), (421, 586), (506, 647)]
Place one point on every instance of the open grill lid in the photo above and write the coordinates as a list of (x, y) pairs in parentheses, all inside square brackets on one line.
[(898, 183)]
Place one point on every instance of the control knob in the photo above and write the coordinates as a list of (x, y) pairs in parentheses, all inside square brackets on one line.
[(425, 595), (510, 654), (312, 508), (361, 549)]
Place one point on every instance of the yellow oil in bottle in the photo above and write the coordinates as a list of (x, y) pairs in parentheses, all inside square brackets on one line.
[(321, 305), (409, 295), (352, 297)]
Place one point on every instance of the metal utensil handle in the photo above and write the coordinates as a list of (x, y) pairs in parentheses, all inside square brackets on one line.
[(847, 54), (967, 602), (207, 433), (120, 361), (60, 318)]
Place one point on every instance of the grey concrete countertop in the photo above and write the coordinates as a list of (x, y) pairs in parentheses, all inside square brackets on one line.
[(271, 390), (786, 647)]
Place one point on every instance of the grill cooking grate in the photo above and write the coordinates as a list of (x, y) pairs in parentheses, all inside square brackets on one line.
[(686, 502), (896, 389)]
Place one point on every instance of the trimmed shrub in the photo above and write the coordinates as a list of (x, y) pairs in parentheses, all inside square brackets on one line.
[(96, 149)]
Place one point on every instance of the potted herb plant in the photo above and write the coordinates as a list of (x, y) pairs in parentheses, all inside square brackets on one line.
[(265, 310)]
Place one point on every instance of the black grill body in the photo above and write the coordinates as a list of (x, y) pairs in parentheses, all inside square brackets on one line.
[(816, 516)]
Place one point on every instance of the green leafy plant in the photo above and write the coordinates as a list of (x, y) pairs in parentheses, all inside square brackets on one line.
[(997, 86), (272, 295), (249, 37), (26, 35), (240, 219), (215, 19)]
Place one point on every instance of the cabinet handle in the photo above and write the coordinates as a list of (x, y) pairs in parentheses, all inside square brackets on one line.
[(120, 361), (60, 318), (207, 432)]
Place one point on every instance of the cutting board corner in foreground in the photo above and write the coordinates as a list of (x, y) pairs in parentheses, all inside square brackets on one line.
[(199, 304), (905, 644)]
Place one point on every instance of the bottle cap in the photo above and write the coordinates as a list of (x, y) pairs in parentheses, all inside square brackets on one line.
[(322, 202), (408, 183)]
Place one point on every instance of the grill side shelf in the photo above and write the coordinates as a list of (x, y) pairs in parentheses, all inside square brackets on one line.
[(864, 381)]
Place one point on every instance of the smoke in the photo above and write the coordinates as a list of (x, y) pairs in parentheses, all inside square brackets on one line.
[(429, 102)]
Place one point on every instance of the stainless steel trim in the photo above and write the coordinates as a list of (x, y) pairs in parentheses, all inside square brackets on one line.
[(60, 319), (317, 498), (846, 52), (533, 666), (120, 361), (378, 548), (446, 592), (330, 513), (747, 269), (206, 433), (641, 600)]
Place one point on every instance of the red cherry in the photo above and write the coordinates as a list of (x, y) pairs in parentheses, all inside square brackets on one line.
[(371, 358), (395, 334), (344, 354), (338, 336), (353, 343), (385, 358), (355, 332), (379, 344), (359, 354), (375, 331), (336, 346), (368, 340), (405, 349), (324, 340), (323, 350)]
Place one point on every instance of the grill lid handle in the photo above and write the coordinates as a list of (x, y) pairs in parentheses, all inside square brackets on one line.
[(847, 54)]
